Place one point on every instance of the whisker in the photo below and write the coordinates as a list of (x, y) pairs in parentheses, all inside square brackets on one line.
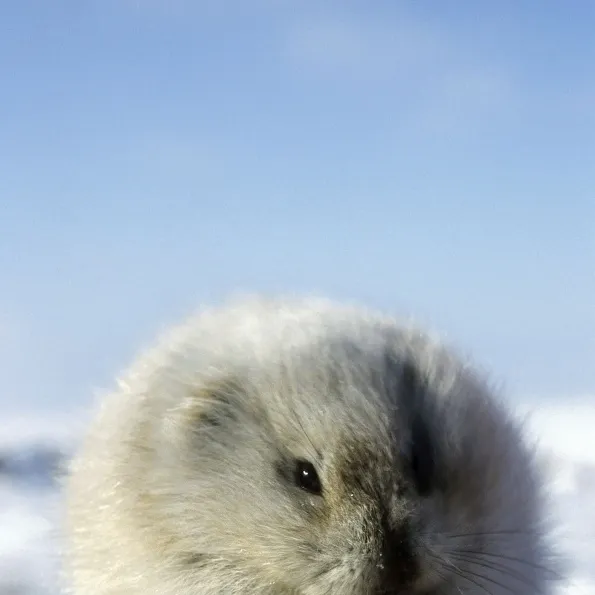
[(445, 578), (490, 580), (511, 559), (501, 568), (458, 572), (503, 532)]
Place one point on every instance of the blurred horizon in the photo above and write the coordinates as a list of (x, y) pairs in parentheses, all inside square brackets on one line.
[(426, 159)]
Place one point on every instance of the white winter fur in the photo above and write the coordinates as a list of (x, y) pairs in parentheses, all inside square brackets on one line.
[(177, 488)]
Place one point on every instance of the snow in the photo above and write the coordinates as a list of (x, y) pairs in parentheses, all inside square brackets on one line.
[(30, 448)]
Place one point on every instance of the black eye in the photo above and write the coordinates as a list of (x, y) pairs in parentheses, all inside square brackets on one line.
[(306, 477)]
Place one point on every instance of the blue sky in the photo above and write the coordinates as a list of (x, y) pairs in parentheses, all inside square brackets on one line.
[(433, 158)]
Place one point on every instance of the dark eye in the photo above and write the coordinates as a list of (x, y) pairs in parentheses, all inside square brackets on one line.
[(306, 477)]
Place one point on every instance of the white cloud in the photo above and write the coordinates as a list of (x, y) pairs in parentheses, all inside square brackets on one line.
[(362, 50), (437, 80), (564, 426)]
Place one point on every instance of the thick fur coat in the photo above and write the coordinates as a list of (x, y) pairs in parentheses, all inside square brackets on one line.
[(303, 447)]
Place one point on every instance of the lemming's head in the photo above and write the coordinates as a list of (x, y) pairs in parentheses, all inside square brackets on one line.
[(315, 450)]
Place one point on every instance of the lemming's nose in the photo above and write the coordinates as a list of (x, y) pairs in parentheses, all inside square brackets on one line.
[(397, 565)]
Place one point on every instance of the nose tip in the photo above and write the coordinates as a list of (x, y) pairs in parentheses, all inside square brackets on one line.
[(397, 565)]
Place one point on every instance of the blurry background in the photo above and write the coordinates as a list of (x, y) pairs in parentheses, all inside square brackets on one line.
[(433, 159)]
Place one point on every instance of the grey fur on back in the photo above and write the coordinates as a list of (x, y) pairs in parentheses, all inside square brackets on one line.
[(186, 482)]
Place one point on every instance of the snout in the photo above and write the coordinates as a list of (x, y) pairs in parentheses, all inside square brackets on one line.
[(397, 566)]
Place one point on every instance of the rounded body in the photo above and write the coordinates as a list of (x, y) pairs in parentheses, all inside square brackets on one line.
[(303, 447)]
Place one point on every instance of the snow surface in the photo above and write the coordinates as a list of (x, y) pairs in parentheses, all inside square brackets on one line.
[(31, 448)]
